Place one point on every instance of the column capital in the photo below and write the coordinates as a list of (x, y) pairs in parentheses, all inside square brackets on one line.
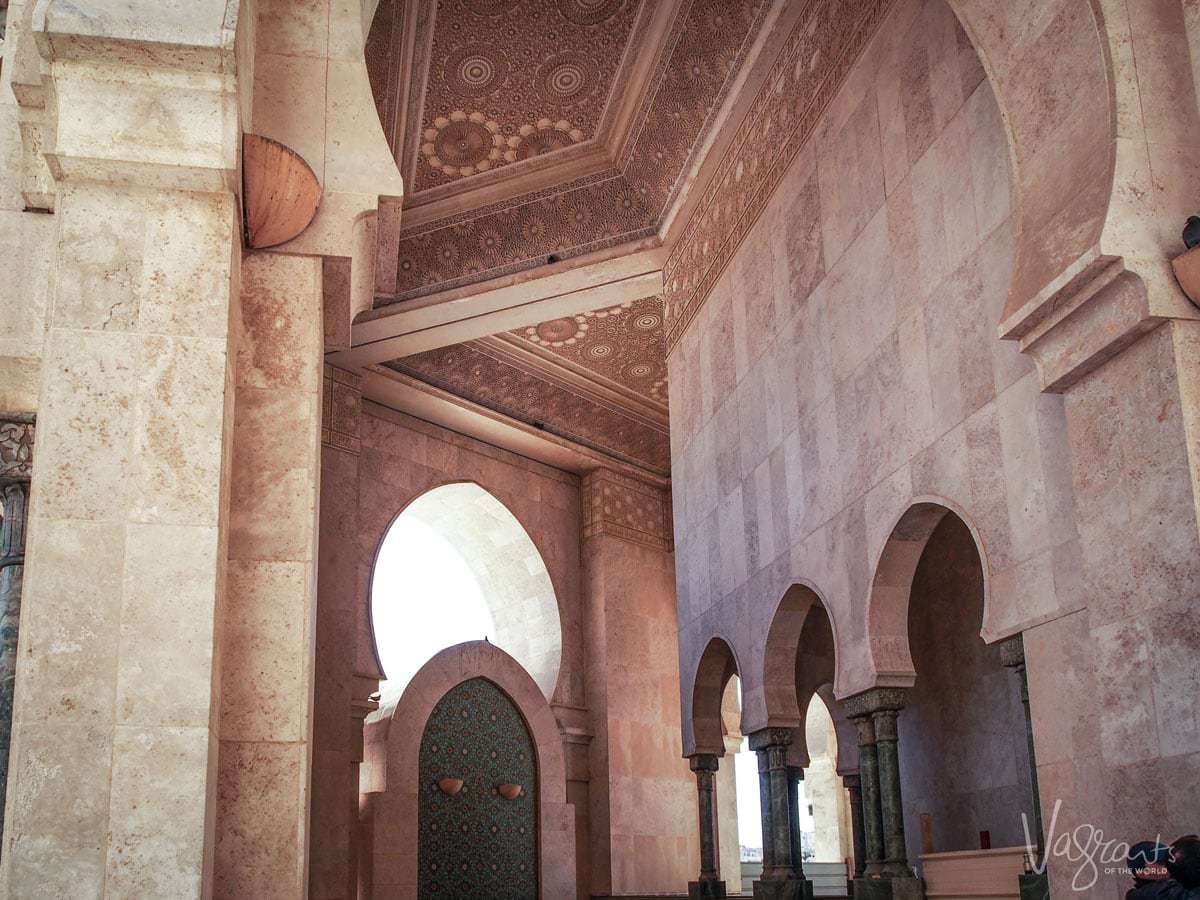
[(16, 447), (852, 782), (770, 737), (1012, 651), (704, 762), (875, 700)]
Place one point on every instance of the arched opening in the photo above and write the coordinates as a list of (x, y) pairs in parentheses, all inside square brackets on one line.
[(964, 761), (457, 566)]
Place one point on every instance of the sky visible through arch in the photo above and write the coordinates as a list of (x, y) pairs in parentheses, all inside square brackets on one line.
[(424, 598)]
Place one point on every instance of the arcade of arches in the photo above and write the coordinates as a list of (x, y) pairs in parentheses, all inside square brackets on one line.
[(597, 448)]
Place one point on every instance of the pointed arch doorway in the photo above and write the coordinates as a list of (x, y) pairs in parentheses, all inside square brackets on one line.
[(477, 812)]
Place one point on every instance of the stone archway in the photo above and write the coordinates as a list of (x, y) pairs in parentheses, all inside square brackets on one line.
[(891, 587), (391, 776), (507, 565), (716, 667)]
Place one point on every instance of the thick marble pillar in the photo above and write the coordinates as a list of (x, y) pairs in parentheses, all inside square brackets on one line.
[(783, 875), (795, 775), (853, 785), (891, 804), (709, 884), (112, 785), (16, 463)]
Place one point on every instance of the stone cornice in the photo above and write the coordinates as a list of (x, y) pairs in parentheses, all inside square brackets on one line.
[(757, 159)]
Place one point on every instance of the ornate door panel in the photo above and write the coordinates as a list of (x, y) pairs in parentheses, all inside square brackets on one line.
[(476, 843)]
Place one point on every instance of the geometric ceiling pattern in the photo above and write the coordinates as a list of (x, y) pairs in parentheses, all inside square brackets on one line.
[(534, 131), (596, 378), (528, 129)]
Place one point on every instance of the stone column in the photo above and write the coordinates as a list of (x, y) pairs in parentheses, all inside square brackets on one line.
[(868, 768), (1012, 655), (891, 804), (783, 875), (709, 884), (16, 462), (113, 785), (795, 776), (886, 873), (1034, 885), (853, 785)]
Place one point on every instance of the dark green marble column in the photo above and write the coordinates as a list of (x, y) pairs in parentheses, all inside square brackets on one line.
[(868, 771), (891, 804), (853, 785), (783, 874), (709, 884), (16, 462), (1034, 886)]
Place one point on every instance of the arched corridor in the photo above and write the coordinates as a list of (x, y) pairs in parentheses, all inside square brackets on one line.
[(699, 447)]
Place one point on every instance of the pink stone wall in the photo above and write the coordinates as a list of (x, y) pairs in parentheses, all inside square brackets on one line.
[(846, 366), (645, 836)]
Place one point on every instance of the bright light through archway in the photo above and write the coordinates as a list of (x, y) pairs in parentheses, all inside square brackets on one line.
[(424, 598)]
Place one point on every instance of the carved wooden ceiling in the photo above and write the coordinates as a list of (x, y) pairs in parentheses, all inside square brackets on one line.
[(531, 129), (551, 149)]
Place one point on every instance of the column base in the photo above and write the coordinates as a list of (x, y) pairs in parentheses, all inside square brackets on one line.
[(1035, 887), (789, 889), (708, 889), (908, 888)]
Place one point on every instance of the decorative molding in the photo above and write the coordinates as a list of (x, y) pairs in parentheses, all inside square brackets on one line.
[(620, 506), (772, 736), (16, 447), (341, 408), (875, 700), (794, 97)]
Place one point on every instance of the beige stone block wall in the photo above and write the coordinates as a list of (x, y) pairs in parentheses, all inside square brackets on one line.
[(268, 621), (127, 532)]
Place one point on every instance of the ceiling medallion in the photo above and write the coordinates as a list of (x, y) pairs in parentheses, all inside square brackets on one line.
[(463, 144), (589, 12), (558, 332), (475, 70), (566, 78), (544, 137)]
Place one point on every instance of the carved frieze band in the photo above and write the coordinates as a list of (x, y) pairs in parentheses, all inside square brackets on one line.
[(16, 447), (824, 45), (617, 505), (341, 405)]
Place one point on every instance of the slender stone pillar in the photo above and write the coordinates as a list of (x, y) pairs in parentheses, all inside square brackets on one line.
[(868, 767), (1012, 655), (783, 874), (16, 460), (710, 883), (795, 775), (853, 785), (1034, 885), (891, 804)]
